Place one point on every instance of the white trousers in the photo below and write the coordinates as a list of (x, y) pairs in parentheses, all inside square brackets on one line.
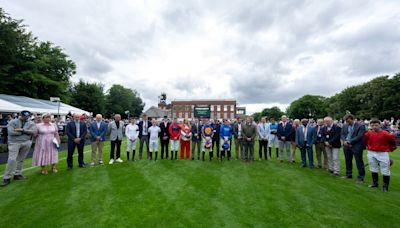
[(273, 140), (153, 144), (221, 142), (130, 145), (174, 145), (378, 160), (207, 140)]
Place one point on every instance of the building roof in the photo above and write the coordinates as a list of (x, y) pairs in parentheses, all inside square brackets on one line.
[(11, 103), (202, 100), (155, 112)]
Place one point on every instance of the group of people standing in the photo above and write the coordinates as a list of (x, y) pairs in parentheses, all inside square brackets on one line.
[(205, 136)]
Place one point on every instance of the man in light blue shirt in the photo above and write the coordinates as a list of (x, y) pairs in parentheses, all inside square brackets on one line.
[(263, 133)]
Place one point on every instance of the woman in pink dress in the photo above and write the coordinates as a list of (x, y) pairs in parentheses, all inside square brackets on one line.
[(45, 152)]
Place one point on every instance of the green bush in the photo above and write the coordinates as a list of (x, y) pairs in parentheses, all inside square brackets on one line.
[(64, 139), (3, 148)]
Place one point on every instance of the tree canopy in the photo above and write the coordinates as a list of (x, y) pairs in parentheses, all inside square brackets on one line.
[(120, 99), (37, 69), (88, 96), (30, 67), (377, 98)]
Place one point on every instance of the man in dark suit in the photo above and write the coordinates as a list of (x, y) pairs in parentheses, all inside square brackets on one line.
[(215, 140), (196, 138), (76, 131), (331, 138), (164, 137), (144, 126), (237, 134), (353, 146), (284, 135)]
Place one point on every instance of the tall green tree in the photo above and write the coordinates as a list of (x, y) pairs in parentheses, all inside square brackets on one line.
[(308, 106), (88, 96), (256, 116), (30, 67), (120, 99), (274, 112), (376, 98)]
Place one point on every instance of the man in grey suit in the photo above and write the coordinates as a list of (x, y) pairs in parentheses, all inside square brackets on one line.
[(352, 134), (116, 129)]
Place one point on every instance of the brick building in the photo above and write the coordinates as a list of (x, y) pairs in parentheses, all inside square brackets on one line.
[(220, 109)]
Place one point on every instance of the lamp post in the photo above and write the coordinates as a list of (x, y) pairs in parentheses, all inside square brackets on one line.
[(57, 99)]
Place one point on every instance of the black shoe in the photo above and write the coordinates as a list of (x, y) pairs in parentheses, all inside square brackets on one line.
[(82, 166), (373, 185), (19, 177), (303, 166), (192, 159), (69, 168), (5, 182), (347, 177), (386, 181)]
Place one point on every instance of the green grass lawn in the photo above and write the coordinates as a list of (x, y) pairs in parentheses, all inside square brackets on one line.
[(196, 194)]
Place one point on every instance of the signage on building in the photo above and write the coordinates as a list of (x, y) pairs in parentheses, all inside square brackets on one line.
[(202, 111)]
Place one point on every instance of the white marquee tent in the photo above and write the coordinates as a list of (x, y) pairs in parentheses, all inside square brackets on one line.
[(15, 104)]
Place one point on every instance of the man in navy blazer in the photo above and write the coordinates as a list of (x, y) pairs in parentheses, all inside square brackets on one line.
[(164, 137), (98, 129), (215, 139), (331, 134), (284, 134), (76, 132), (353, 146), (305, 138), (196, 138), (144, 126)]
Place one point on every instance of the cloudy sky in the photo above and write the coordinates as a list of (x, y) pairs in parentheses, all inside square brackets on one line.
[(262, 53)]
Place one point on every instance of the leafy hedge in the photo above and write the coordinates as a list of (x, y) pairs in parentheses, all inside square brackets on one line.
[(3, 148)]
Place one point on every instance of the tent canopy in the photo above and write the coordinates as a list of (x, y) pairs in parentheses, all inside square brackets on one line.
[(11, 103)]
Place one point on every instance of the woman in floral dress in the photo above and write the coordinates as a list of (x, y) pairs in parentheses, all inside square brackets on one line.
[(46, 152)]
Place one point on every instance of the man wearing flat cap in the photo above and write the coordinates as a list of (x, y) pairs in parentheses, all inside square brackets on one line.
[(20, 132)]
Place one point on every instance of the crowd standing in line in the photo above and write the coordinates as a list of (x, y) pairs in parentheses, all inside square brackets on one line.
[(325, 135)]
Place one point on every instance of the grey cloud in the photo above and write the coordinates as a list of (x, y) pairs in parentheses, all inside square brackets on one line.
[(96, 37)]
